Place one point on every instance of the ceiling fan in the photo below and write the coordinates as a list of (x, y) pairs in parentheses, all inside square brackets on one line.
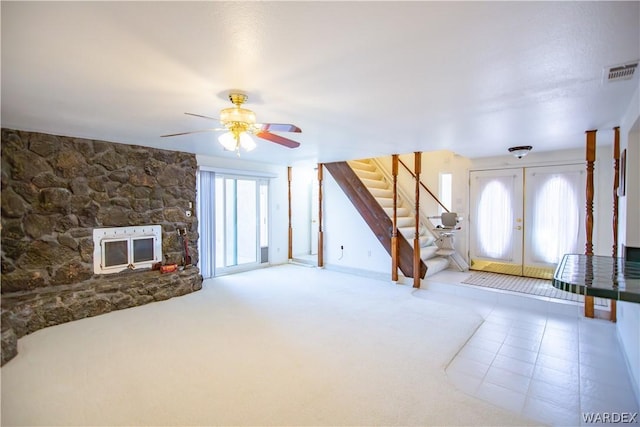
[(239, 123)]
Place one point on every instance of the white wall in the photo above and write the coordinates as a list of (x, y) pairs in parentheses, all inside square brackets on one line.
[(278, 218), (628, 324), (343, 226)]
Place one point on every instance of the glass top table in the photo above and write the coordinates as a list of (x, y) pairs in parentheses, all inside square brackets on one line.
[(599, 276)]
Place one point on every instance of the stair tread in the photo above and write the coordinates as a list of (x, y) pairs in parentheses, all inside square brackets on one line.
[(374, 183)]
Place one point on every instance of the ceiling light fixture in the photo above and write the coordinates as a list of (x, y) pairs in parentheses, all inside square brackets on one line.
[(520, 151), (240, 121)]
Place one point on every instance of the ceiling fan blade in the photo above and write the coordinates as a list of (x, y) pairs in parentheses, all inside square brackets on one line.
[(201, 116), (277, 139), (279, 127), (190, 132)]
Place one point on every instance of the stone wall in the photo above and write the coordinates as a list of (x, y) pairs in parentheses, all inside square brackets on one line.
[(55, 191)]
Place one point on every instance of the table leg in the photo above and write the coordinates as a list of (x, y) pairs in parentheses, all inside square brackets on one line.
[(588, 307)]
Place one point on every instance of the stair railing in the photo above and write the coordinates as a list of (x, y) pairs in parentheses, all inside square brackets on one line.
[(404, 195), (413, 175)]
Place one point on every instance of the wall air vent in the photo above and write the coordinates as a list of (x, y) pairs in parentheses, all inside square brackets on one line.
[(620, 72)]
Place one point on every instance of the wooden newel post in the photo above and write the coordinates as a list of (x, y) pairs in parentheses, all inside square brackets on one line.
[(320, 236), (394, 229), (290, 250), (588, 250), (616, 184), (416, 239)]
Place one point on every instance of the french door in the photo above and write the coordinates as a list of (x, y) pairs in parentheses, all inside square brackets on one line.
[(233, 220), (524, 220)]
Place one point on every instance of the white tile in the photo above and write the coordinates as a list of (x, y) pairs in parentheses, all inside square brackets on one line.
[(502, 328), (468, 367), (615, 375), (571, 367), (507, 379), (619, 394), (565, 309), (501, 396), (479, 342), (562, 335), (513, 365), (518, 353), (554, 349), (534, 333), (527, 344), (490, 334), (588, 358), (557, 378), (547, 412), (528, 320), (477, 354), (596, 404), (559, 396), (565, 323)]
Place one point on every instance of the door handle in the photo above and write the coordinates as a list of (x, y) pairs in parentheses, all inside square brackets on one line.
[(519, 227)]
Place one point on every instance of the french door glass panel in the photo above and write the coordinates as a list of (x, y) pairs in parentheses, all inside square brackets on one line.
[(241, 226), (554, 216), (496, 220)]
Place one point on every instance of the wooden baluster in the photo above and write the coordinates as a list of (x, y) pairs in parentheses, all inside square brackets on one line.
[(591, 158), (290, 250), (416, 240), (320, 234), (616, 184), (394, 229)]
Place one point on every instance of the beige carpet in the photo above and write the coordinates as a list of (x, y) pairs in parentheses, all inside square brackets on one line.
[(286, 345), (525, 285)]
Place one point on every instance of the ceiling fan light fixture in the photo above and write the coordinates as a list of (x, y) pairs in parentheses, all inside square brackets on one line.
[(237, 115), (520, 151), (246, 142), (228, 141), (233, 141)]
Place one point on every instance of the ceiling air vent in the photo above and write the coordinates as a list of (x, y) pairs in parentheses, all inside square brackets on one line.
[(620, 72)]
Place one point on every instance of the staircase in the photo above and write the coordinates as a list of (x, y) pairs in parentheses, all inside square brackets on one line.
[(435, 258), (374, 215)]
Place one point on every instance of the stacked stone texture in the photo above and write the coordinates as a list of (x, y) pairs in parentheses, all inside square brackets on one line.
[(55, 191)]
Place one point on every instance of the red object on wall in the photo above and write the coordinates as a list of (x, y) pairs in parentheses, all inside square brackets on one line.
[(169, 268)]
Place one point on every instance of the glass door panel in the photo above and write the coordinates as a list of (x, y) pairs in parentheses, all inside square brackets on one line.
[(496, 221), (554, 215), (241, 226), (246, 222)]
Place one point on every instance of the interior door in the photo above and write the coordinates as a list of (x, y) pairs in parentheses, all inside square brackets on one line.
[(496, 221)]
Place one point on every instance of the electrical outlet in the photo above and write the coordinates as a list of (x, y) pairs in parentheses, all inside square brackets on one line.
[(341, 248)]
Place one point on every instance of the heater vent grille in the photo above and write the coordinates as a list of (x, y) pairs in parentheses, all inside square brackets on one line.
[(620, 72)]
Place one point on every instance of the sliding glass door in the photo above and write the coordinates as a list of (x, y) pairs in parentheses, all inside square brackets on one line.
[(234, 216)]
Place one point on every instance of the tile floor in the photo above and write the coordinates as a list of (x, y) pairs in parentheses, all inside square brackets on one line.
[(537, 358)]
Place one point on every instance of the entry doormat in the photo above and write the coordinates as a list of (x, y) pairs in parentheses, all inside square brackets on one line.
[(525, 285)]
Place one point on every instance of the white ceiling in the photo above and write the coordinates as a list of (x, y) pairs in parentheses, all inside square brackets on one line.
[(360, 78)]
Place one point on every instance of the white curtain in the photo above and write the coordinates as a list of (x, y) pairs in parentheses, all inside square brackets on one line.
[(206, 223), (556, 215), (495, 217)]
